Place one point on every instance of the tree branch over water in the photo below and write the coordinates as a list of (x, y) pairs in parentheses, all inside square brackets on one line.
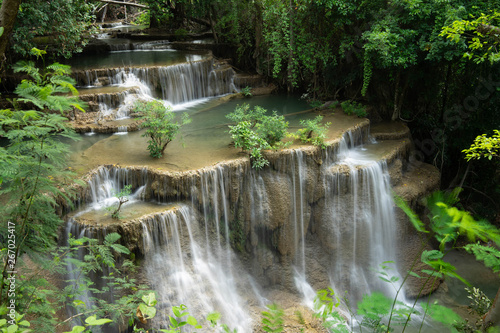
[(124, 3)]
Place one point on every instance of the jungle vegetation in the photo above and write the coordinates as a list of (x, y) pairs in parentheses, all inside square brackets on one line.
[(433, 64)]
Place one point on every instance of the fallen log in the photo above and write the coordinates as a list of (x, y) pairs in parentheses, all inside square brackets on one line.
[(124, 3)]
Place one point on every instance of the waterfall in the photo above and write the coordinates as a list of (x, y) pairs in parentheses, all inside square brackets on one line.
[(186, 82), (109, 181), (185, 268), (176, 84), (121, 130), (340, 210), (362, 224)]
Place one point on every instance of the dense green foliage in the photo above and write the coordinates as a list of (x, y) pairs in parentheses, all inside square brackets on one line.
[(160, 126), (255, 131), (484, 146), (246, 113), (59, 24), (273, 129), (248, 140), (33, 162), (353, 107), (480, 34)]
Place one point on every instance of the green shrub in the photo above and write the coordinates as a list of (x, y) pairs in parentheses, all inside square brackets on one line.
[(314, 103), (484, 146), (181, 32), (480, 303), (246, 139), (159, 124), (314, 131), (245, 113), (255, 131), (352, 107), (334, 105), (142, 19), (272, 129), (246, 91)]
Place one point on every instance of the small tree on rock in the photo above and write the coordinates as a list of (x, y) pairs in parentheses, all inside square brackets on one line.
[(122, 197), (159, 124)]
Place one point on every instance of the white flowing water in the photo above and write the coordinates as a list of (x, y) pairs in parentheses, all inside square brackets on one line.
[(363, 224), (177, 86), (188, 264)]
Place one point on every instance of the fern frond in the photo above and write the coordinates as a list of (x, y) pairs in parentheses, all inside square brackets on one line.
[(111, 238), (414, 219), (29, 68), (489, 255), (59, 69), (64, 85)]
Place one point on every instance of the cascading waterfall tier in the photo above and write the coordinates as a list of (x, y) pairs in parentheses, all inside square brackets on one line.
[(176, 83), (357, 225)]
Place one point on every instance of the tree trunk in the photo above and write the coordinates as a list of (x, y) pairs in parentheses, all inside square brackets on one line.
[(493, 316), (8, 14), (125, 12), (290, 51), (395, 113), (212, 23), (399, 94), (104, 12), (258, 36)]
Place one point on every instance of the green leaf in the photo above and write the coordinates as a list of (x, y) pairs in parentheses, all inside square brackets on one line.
[(489, 255), (173, 321), (213, 317), (76, 329), (431, 255), (193, 322), (93, 321), (148, 311), (414, 219), (12, 329), (150, 299), (112, 237), (414, 274), (444, 315)]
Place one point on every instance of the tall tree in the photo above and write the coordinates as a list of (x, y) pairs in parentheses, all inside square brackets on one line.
[(8, 14)]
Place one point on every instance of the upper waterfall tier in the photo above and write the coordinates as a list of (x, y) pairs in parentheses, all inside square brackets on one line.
[(177, 84)]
